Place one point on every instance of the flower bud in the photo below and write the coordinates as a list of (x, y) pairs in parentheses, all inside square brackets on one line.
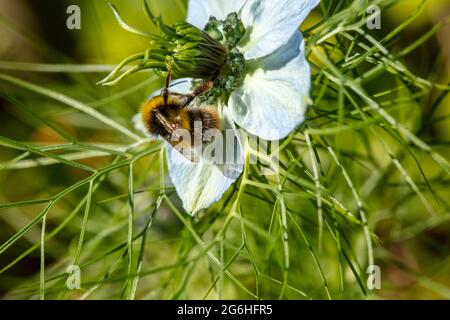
[(193, 53), (182, 48)]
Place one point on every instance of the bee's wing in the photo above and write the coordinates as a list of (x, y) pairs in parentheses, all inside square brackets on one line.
[(179, 138)]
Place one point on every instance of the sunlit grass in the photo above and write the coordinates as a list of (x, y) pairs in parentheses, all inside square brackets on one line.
[(360, 179)]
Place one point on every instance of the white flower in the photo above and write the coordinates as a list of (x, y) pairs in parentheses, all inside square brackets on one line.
[(273, 97)]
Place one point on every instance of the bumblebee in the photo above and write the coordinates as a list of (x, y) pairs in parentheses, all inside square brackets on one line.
[(170, 116)]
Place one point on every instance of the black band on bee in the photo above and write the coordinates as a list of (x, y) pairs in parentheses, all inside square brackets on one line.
[(204, 119)]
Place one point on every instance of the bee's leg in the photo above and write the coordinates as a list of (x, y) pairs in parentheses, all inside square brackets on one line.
[(165, 91), (204, 87)]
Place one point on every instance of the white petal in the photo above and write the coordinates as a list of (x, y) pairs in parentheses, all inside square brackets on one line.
[(201, 184), (199, 11), (271, 24), (139, 125), (273, 99)]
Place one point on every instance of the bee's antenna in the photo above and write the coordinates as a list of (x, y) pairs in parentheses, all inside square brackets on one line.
[(177, 83), (168, 79)]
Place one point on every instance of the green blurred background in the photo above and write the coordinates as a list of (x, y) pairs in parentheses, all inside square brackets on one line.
[(413, 249)]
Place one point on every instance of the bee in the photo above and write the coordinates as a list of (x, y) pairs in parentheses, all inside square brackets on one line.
[(170, 116)]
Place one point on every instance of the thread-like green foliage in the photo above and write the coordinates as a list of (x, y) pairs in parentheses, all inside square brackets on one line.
[(363, 181)]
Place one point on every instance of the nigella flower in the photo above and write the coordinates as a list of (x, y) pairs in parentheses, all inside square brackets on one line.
[(254, 53), (270, 98)]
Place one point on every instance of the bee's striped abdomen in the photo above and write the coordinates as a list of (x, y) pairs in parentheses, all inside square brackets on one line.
[(203, 119)]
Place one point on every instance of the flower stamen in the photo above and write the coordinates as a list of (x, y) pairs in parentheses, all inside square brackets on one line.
[(229, 32)]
